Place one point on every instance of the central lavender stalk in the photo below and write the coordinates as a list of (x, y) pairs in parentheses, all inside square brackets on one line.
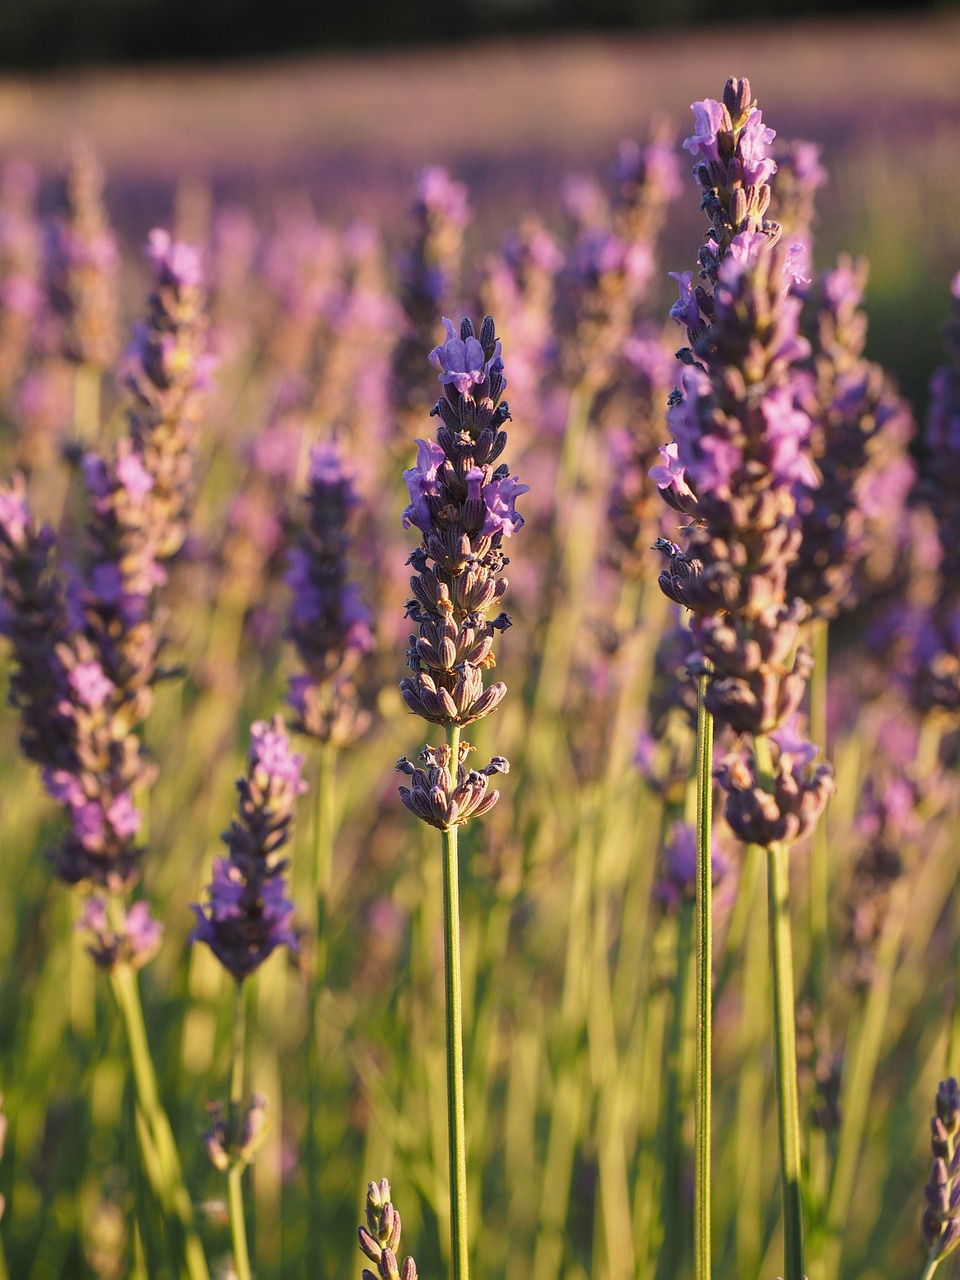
[(740, 450), (463, 503)]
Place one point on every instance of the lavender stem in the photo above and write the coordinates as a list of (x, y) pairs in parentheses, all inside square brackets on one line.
[(784, 1015), (704, 907), (238, 1230), (456, 1124)]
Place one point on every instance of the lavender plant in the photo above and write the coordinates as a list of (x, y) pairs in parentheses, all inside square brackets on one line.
[(937, 652), (941, 1217), (81, 262), (245, 917), (739, 451), (464, 504), (380, 1237)]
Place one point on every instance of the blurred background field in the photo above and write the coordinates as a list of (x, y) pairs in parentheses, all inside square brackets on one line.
[(513, 118), (579, 1050)]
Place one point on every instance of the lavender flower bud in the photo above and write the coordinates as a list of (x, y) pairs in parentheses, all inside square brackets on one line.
[(940, 1224), (165, 372), (428, 273), (81, 264), (134, 942), (380, 1238), (329, 624), (247, 914)]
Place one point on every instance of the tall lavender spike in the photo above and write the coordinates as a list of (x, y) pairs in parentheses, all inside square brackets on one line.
[(81, 264), (78, 717), (247, 913), (611, 264), (329, 623), (859, 438), (739, 452), (941, 1217), (21, 295), (936, 683), (165, 373), (464, 506)]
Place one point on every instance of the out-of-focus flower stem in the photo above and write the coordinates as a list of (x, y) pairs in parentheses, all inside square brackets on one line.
[(321, 868), (162, 1164), (456, 1126), (819, 857), (704, 932), (784, 1030), (238, 1229), (858, 1080), (930, 1268), (573, 561), (86, 403)]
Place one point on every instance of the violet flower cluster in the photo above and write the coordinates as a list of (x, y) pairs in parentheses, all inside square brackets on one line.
[(611, 263), (937, 652), (81, 264), (463, 503), (165, 372), (247, 912), (82, 667), (861, 429), (740, 449), (329, 623), (21, 296), (428, 274), (941, 1217)]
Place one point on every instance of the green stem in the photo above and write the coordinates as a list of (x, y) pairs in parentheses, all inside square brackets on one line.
[(819, 915), (86, 404), (784, 1016), (165, 1172), (323, 834), (238, 1228), (701, 1230), (930, 1268), (456, 1124)]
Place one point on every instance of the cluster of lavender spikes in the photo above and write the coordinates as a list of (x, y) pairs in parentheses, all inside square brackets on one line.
[(941, 1217), (380, 1236), (247, 914), (739, 452), (329, 623), (463, 503), (86, 658)]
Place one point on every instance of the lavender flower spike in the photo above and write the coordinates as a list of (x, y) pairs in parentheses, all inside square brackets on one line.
[(941, 1218), (247, 913), (329, 623), (165, 372), (379, 1237), (464, 505)]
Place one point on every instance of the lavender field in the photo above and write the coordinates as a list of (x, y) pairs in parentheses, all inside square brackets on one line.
[(279, 534)]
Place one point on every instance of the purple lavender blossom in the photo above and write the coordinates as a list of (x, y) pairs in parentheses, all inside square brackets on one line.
[(428, 276), (740, 450), (247, 913), (133, 942), (329, 623), (460, 499), (678, 879), (940, 1225), (859, 438), (166, 371), (81, 264), (937, 659)]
